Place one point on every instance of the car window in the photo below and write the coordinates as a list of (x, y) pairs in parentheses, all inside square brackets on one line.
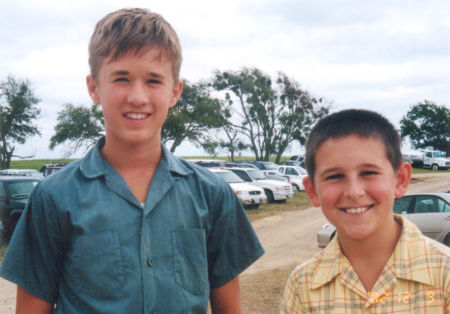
[(281, 169), (444, 207), (401, 204), (426, 204), (244, 176), (291, 171)]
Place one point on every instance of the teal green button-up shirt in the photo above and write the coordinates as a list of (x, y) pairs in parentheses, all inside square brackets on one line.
[(85, 243)]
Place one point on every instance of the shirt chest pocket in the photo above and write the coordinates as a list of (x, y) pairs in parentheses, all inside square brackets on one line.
[(97, 264), (189, 258)]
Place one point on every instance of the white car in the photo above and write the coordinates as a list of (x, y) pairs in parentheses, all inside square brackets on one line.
[(275, 190), (250, 196), (295, 174)]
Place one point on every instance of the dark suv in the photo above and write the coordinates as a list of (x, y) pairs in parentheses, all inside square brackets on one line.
[(14, 194)]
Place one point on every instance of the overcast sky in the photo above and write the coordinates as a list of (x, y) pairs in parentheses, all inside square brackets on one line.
[(383, 55)]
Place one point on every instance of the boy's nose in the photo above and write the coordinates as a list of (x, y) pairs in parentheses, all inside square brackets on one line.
[(137, 94), (354, 188)]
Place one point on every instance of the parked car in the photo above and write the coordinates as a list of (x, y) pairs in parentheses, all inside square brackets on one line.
[(297, 158), (14, 194), (275, 175), (274, 190), (209, 163), (293, 163), (295, 174), (264, 165), (49, 169), (21, 172), (428, 211), (250, 196)]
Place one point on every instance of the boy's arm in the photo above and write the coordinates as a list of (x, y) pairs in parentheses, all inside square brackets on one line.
[(227, 298), (28, 303)]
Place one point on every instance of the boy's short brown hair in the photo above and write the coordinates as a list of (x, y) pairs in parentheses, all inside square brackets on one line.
[(360, 122), (133, 29)]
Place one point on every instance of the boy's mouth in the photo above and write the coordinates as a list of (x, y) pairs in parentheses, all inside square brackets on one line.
[(356, 210), (136, 116)]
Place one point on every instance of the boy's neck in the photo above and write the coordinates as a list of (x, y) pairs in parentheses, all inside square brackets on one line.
[(369, 257), (135, 163), (130, 156)]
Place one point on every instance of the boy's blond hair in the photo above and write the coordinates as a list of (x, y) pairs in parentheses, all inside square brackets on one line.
[(133, 29)]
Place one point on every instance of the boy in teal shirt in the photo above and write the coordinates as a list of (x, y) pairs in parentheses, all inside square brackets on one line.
[(130, 228)]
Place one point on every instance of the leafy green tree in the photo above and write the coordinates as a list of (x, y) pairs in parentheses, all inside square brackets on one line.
[(195, 114), (428, 126), (79, 126), (18, 111), (270, 115)]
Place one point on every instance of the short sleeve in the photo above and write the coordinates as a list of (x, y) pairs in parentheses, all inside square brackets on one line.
[(232, 243), (34, 256)]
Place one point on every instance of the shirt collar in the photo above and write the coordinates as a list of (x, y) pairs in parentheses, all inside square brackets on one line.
[(93, 165), (410, 259)]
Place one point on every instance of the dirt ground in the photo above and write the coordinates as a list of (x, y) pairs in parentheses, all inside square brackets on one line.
[(288, 238)]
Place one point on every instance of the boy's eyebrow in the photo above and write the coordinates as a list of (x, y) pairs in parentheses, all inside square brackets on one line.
[(124, 72)]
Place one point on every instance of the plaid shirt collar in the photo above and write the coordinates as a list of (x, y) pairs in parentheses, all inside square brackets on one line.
[(407, 262)]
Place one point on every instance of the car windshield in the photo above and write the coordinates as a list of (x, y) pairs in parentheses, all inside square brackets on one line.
[(269, 166), (229, 177), (256, 174), (438, 154), (21, 189)]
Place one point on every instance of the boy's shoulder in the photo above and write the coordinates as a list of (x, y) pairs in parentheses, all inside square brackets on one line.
[(320, 268)]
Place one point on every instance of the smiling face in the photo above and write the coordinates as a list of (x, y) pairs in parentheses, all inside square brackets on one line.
[(355, 184), (136, 91)]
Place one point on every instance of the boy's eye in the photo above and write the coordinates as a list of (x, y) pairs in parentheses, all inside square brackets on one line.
[(121, 79), (334, 176), (154, 82), (368, 173)]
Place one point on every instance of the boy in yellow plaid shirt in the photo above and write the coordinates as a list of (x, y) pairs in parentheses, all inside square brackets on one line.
[(378, 262)]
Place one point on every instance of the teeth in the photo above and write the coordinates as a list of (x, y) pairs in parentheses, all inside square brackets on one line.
[(357, 210), (136, 116)]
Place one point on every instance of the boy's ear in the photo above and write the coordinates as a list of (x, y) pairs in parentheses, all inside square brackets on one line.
[(176, 93), (92, 89), (403, 177), (311, 191)]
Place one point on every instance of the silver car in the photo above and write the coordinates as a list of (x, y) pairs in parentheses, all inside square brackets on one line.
[(430, 212)]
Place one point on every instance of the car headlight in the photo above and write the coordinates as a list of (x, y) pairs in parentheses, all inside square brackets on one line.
[(278, 188), (238, 192)]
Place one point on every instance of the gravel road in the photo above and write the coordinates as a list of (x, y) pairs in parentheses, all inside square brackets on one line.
[(288, 238)]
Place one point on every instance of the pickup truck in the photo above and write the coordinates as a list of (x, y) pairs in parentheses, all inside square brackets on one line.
[(274, 190)]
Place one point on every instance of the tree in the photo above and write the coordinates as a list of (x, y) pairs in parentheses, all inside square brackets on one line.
[(80, 126), (428, 126), (193, 116), (269, 115), (18, 111)]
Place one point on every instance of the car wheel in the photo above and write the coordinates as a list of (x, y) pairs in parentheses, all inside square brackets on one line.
[(281, 201), (253, 206), (296, 187), (269, 195), (447, 240), (435, 167)]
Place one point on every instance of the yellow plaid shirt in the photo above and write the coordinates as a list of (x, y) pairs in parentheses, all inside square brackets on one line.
[(416, 279)]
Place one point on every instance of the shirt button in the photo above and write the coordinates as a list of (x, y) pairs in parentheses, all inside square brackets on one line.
[(149, 262)]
